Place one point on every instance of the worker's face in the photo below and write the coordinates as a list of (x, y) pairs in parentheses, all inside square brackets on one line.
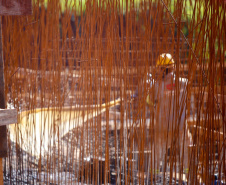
[(170, 69), (163, 71), (159, 72)]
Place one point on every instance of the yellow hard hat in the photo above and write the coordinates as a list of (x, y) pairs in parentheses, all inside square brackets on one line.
[(164, 60)]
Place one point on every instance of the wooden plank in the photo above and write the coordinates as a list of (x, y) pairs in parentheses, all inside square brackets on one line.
[(202, 131), (15, 7), (8, 116), (192, 122)]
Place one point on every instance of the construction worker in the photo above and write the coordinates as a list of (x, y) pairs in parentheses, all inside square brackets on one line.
[(167, 94)]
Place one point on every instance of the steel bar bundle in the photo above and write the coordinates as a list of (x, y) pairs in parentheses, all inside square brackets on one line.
[(78, 74)]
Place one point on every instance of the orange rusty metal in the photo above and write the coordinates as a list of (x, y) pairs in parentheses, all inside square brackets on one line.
[(91, 53)]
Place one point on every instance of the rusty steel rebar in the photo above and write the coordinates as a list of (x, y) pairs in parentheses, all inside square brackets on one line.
[(84, 55)]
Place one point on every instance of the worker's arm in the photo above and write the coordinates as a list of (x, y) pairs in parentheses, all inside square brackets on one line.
[(151, 99), (137, 95)]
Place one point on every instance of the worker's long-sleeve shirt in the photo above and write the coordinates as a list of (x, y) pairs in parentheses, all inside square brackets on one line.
[(170, 99), (167, 97), (168, 94)]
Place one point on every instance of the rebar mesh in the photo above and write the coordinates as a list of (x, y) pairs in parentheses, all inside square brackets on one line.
[(71, 70)]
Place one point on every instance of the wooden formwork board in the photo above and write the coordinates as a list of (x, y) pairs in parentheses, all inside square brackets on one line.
[(14, 7)]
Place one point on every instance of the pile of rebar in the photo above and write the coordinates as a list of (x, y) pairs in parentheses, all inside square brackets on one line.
[(72, 69)]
